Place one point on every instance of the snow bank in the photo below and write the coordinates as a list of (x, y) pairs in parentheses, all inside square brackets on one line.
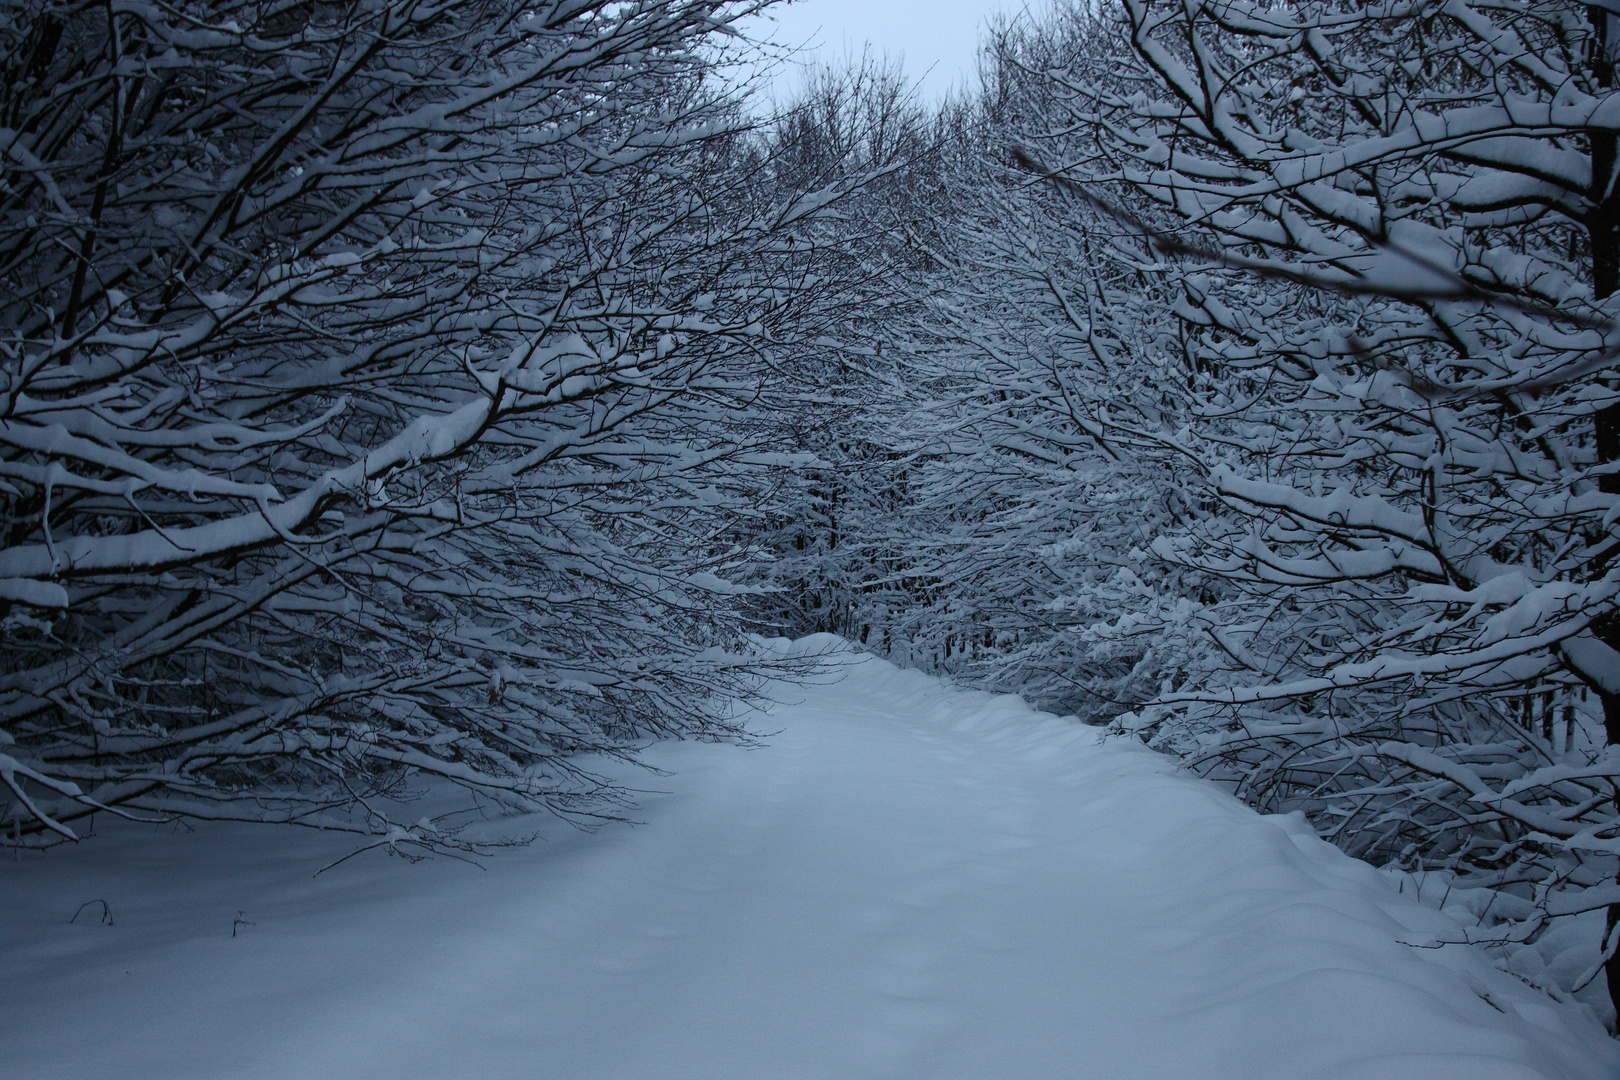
[(908, 880)]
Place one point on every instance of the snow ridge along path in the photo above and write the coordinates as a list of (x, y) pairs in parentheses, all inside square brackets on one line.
[(907, 880)]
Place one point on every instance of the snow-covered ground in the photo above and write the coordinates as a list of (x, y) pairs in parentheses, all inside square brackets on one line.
[(908, 880)]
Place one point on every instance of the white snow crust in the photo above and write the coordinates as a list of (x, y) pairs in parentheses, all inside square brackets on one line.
[(906, 880)]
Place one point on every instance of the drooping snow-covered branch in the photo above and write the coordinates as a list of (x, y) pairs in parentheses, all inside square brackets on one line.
[(379, 380)]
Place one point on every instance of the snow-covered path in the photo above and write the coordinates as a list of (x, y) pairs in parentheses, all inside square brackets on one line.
[(907, 881)]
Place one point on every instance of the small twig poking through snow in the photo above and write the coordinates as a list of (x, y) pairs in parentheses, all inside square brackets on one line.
[(239, 922), (391, 844), (106, 912), (428, 840)]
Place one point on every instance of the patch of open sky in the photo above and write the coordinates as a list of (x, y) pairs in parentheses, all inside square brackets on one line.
[(937, 41)]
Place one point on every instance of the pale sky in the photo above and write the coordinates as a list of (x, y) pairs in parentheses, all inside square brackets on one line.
[(939, 40)]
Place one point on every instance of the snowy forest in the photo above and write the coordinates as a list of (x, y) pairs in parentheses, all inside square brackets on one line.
[(462, 393)]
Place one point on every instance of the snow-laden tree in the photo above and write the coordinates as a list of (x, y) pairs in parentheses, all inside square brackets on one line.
[(828, 560), (1401, 249), (1029, 506), (382, 384)]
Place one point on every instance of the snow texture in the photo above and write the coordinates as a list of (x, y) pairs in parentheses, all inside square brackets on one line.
[(907, 880)]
